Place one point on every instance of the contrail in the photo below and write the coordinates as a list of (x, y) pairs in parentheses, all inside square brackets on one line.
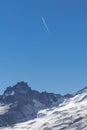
[(45, 24)]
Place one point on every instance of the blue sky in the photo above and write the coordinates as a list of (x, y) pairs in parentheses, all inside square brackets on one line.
[(54, 60)]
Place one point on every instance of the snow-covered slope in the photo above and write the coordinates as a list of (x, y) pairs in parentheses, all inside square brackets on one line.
[(70, 115)]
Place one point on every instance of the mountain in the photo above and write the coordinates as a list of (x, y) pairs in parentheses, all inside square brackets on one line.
[(22, 108), (20, 103), (69, 115)]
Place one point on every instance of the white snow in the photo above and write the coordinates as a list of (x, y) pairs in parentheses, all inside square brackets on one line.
[(4, 109), (37, 103), (10, 94)]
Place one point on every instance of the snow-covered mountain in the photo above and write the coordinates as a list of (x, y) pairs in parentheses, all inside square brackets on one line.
[(69, 114), (20, 103)]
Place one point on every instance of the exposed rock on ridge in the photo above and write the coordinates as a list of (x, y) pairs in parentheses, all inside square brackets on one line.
[(24, 103)]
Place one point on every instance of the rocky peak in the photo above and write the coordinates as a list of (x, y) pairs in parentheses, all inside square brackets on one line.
[(25, 102), (68, 95), (8, 90), (21, 86)]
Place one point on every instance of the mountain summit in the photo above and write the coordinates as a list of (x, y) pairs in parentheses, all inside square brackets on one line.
[(25, 109), (21, 103)]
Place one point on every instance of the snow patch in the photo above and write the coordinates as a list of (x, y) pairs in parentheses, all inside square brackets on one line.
[(4, 109), (37, 103), (9, 94)]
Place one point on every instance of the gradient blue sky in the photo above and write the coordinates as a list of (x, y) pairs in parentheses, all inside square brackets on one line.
[(55, 61)]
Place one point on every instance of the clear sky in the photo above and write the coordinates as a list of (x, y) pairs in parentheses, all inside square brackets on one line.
[(44, 42)]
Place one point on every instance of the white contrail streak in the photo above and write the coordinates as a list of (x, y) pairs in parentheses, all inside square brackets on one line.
[(45, 24)]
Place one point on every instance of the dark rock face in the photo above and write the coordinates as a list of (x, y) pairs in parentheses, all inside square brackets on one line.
[(24, 103), (68, 96)]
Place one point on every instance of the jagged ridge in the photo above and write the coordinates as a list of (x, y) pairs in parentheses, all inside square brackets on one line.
[(69, 115), (22, 103)]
